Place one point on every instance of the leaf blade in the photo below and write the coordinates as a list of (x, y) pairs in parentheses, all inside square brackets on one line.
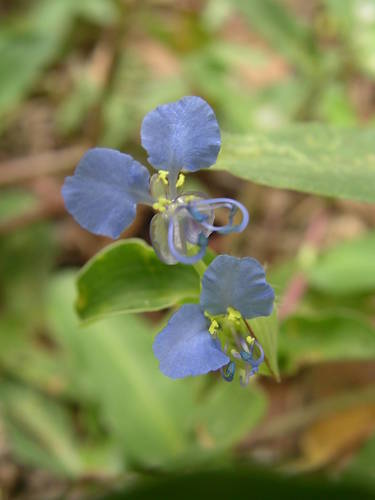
[(311, 158), (128, 277)]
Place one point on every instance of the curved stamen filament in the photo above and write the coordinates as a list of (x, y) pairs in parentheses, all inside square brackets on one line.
[(248, 356), (214, 203)]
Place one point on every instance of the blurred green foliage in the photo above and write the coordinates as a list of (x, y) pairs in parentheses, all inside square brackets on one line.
[(88, 399)]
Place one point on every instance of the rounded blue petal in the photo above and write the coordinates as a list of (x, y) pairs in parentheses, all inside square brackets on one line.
[(104, 190), (181, 135), (185, 347), (237, 283)]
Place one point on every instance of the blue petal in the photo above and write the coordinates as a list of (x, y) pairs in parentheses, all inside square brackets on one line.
[(237, 283), (185, 347), (104, 190), (181, 135)]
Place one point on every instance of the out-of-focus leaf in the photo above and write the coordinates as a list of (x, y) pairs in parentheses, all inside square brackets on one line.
[(334, 107), (27, 47), (266, 331), (354, 20), (128, 277), (229, 412), (219, 67), (30, 43), (311, 158), (272, 20), (216, 12), (135, 91), (348, 268), (14, 203), (361, 468), (26, 256), (328, 337), (102, 12), (22, 356), (74, 109), (40, 430), (233, 483), (121, 107), (143, 409)]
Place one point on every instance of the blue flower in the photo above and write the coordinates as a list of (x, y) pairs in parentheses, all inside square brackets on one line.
[(107, 185), (214, 334)]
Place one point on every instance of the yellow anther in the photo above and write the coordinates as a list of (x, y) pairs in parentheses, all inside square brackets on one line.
[(213, 327), (233, 314), (161, 204), (180, 181), (250, 340), (163, 176)]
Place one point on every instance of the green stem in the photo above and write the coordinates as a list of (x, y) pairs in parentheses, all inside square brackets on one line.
[(200, 268)]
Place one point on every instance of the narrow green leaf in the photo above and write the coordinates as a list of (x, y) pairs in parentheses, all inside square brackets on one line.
[(347, 268), (128, 277), (40, 430), (282, 29), (328, 337), (266, 332), (311, 158)]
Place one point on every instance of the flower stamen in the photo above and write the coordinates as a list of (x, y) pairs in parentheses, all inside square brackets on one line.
[(214, 203), (180, 181), (162, 204), (214, 326), (163, 176)]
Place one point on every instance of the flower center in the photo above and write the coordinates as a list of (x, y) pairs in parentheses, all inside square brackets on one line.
[(238, 342)]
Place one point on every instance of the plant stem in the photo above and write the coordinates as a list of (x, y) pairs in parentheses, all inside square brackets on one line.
[(200, 268)]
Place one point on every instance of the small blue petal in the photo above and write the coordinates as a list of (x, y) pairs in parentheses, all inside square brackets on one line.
[(238, 283), (104, 190), (181, 135), (185, 347)]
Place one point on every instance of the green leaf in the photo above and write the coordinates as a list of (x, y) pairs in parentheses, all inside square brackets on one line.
[(329, 337), (128, 277), (40, 430), (354, 20), (347, 268), (32, 41), (272, 19), (266, 332), (27, 46), (311, 158), (15, 202), (361, 468), (229, 412), (144, 410)]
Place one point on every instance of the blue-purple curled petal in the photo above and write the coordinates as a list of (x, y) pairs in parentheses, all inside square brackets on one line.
[(237, 283), (181, 135), (185, 347), (103, 192)]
